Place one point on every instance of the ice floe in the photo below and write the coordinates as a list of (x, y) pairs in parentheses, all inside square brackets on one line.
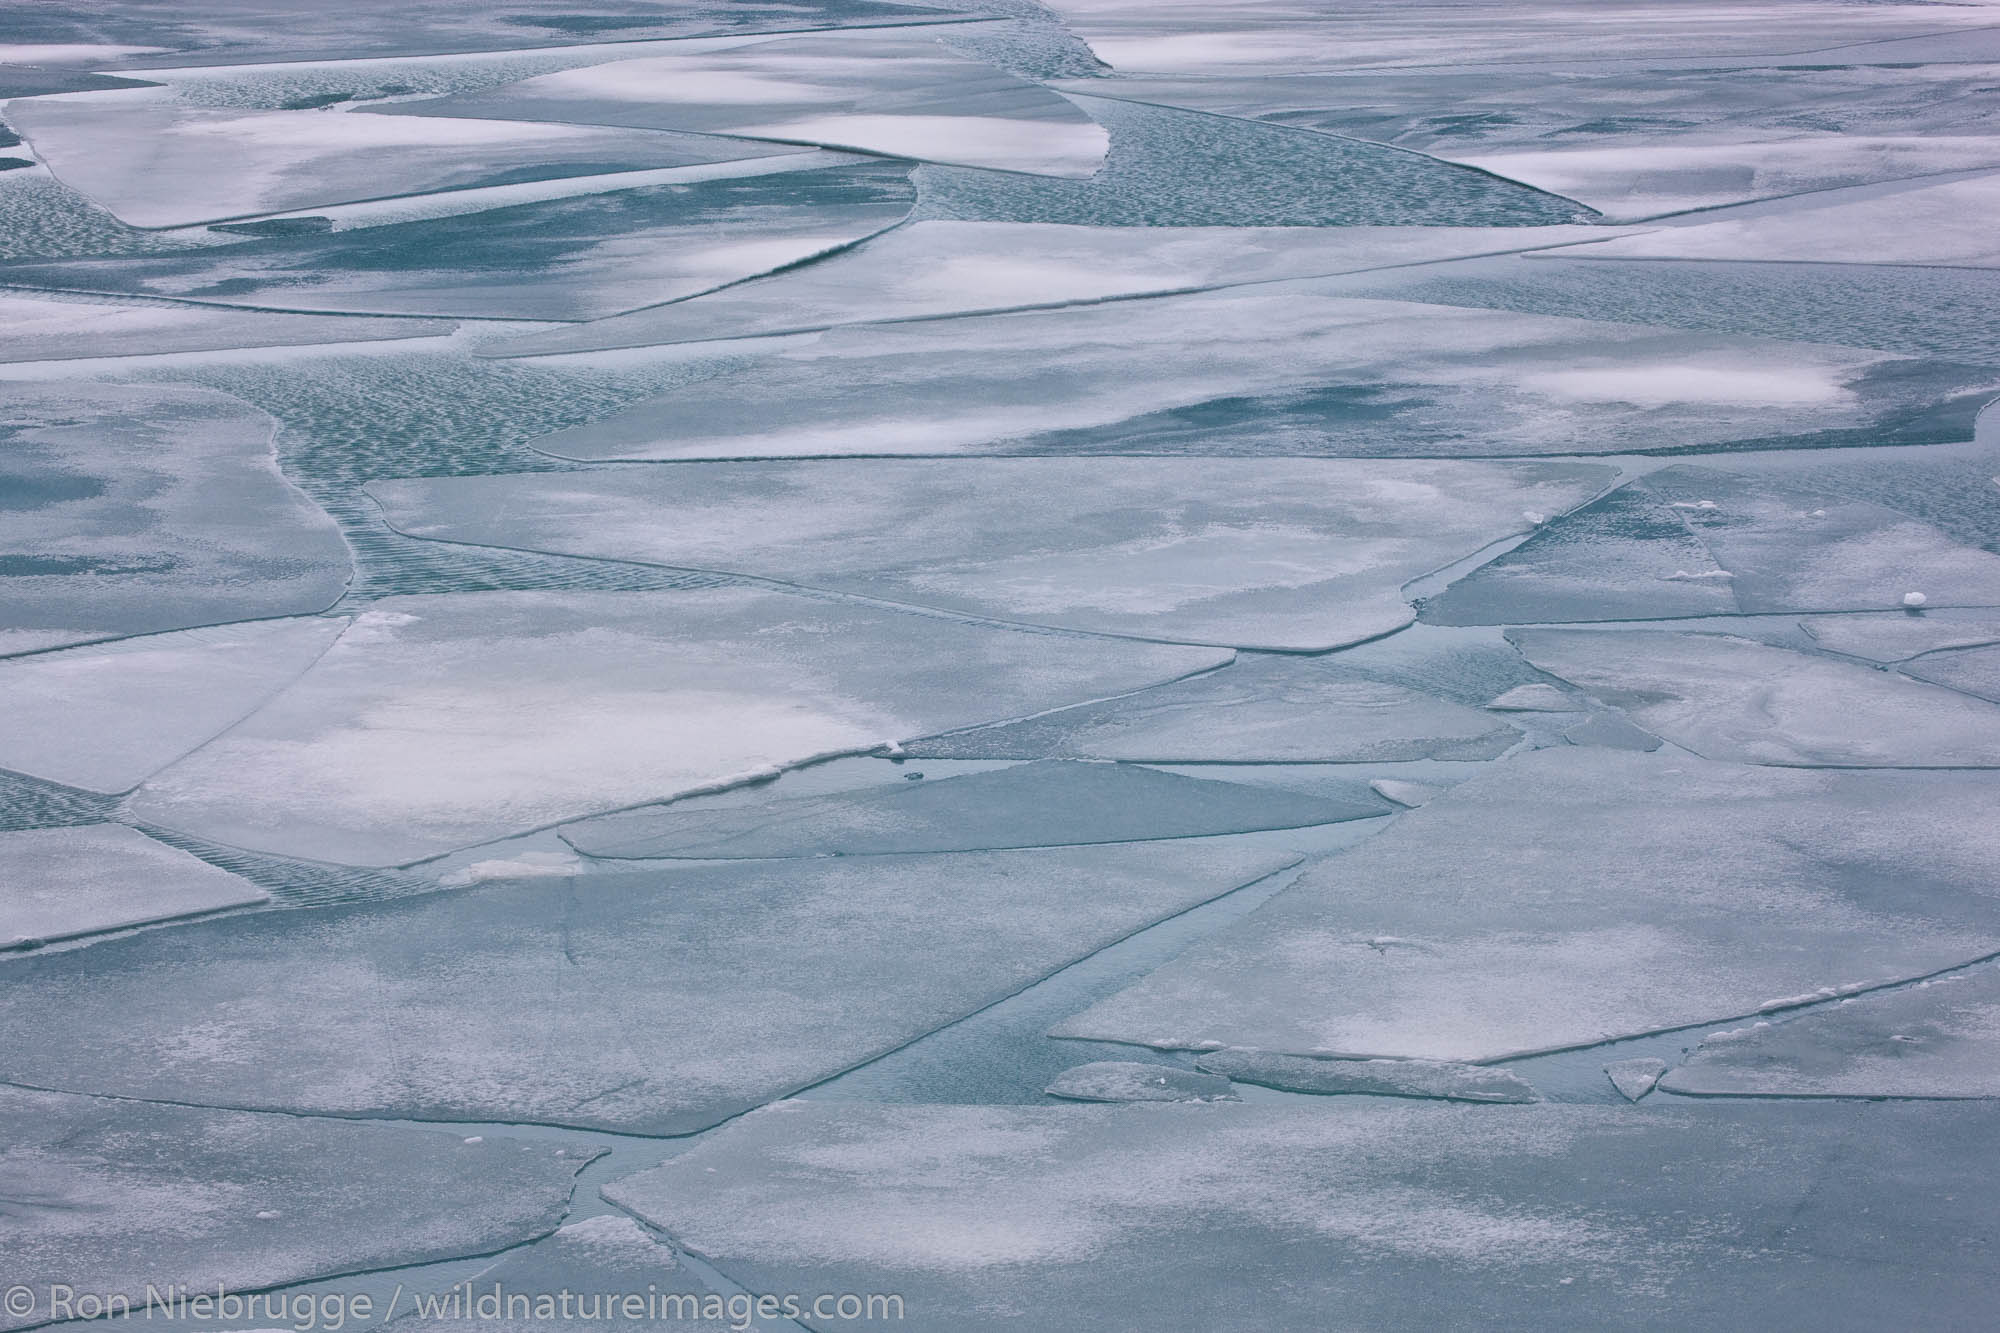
[(436, 722), (1053, 803), (1570, 896), (38, 327), (105, 1198), (1697, 541), (1635, 1078), (138, 508), (1283, 368), (157, 162), (1938, 1038), (901, 94), (59, 883), (1898, 638), (576, 258), (1388, 1078), (106, 717), (1132, 1081), (1237, 1218), (1291, 554), (1735, 699), (657, 1002)]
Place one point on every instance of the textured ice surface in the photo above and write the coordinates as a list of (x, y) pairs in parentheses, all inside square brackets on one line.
[(234, 32), (1694, 541), (61, 882), (1900, 636), (106, 1197), (580, 1274), (136, 508), (1295, 554), (435, 722), (106, 717), (59, 328), (1735, 699), (1939, 224), (1131, 1081), (1938, 1038), (1388, 1078), (659, 1002), (1284, 368), (936, 268), (1053, 803), (1972, 670), (1635, 1078), (157, 162), (901, 94), (1395, 1215), (1569, 896), (1264, 710), (575, 258)]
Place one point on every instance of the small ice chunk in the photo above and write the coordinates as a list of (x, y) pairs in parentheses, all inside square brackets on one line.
[(1133, 1081), (1407, 794), (1635, 1078), (1389, 1078), (1612, 731), (1535, 698), (1914, 599)]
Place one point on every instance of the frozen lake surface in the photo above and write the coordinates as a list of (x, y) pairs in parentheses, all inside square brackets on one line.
[(1162, 666)]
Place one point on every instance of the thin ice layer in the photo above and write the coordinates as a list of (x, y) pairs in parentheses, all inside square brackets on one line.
[(1971, 670), (155, 161), (1384, 1078), (1291, 554), (135, 508), (106, 717), (1284, 368), (1695, 541), (575, 258), (58, 883), (1262, 710), (1241, 1219), (1938, 1038), (648, 1003), (1736, 699), (1570, 896), (64, 328), (1055, 803), (900, 94), (436, 722), (938, 268), (1132, 1081), (1900, 636), (107, 1197)]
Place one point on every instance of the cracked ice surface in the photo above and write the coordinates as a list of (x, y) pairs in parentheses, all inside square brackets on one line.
[(138, 508), (106, 1196), (1289, 554), (436, 722), (63, 882), (1729, 698), (1571, 896), (657, 1003), (1397, 1215)]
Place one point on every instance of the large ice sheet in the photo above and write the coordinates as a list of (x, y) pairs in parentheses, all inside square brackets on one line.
[(900, 94), (106, 717), (582, 1273), (135, 508), (1571, 896), (1291, 554), (1695, 541), (1382, 1215), (1262, 710), (576, 258), (658, 1003), (1949, 224), (61, 328), (1054, 803), (435, 722), (58, 883), (1284, 368), (1735, 699), (157, 162), (1938, 1038), (106, 1197), (937, 268)]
